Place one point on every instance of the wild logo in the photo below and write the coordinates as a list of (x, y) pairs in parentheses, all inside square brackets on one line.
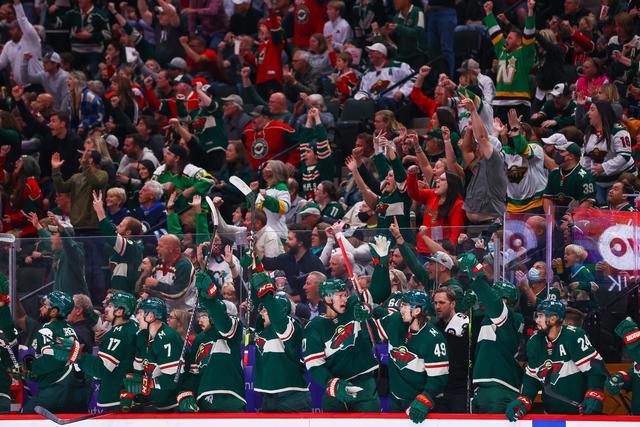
[(402, 356), (260, 342), (259, 148), (550, 368), (597, 155), (344, 336), (302, 15), (515, 173), (203, 350)]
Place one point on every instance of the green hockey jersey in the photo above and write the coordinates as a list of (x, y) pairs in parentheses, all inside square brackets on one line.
[(278, 365), (324, 169), (125, 259), (45, 368), (512, 80), (214, 361), (10, 334), (570, 361), (498, 341), (570, 188), (157, 358), (114, 360), (420, 361), (342, 347)]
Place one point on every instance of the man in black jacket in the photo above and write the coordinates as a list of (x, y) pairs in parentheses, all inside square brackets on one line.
[(455, 327), (298, 261)]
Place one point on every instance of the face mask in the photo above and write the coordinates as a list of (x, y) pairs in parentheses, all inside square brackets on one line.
[(363, 216), (490, 247), (558, 159), (533, 275)]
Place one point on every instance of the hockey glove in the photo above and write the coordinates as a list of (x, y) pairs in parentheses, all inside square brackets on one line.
[(342, 390), (361, 312), (468, 300), (205, 286), (470, 265), (615, 383), (187, 402), (628, 331), (419, 408), (518, 408), (380, 250), (126, 401), (133, 383), (262, 285), (66, 349), (592, 402)]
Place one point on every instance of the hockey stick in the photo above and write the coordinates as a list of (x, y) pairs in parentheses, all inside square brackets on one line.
[(252, 197), (549, 391), (470, 363), (8, 347), (56, 419), (354, 279), (214, 220)]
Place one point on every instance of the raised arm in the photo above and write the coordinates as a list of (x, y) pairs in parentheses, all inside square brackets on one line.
[(370, 198)]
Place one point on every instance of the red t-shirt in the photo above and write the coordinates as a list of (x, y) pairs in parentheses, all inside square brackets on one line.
[(452, 224)]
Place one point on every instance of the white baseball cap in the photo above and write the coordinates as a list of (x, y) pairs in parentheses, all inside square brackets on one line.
[(556, 139), (442, 258), (377, 47)]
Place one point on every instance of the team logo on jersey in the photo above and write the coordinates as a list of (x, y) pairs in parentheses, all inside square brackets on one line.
[(203, 350), (259, 148), (344, 336), (550, 368), (402, 356), (379, 85), (302, 14), (260, 342), (515, 173), (597, 155)]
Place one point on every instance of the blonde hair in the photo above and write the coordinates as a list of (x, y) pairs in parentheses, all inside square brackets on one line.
[(100, 145), (400, 277), (548, 35), (79, 83), (610, 92), (119, 193), (578, 250), (279, 171), (390, 119)]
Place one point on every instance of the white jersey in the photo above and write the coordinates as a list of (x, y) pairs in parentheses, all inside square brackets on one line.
[(615, 158), (526, 176), (374, 82)]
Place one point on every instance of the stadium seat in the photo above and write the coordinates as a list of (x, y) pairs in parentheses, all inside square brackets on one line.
[(358, 110)]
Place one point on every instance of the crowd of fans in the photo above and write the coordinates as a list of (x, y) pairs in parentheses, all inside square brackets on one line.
[(423, 121)]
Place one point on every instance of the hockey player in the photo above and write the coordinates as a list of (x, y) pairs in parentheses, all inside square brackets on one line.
[(115, 358), (629, 379), (337, 347), (562, 357), (419, 354), (156, 359), (278, 372), (215, 381), (61, 388), (496, 373), (8, 340)]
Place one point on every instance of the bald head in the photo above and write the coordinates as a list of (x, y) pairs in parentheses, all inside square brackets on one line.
[(277, 103), (168, 247)]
